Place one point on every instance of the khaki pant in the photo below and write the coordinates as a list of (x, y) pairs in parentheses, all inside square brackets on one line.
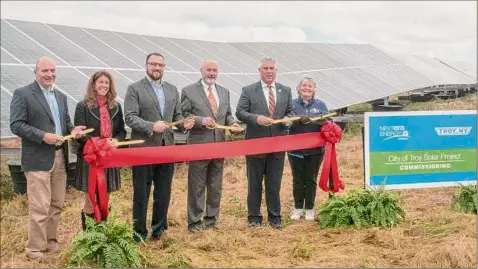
[(46, 195)]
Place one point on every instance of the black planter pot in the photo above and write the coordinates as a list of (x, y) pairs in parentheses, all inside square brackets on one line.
[(404, 97), (18, 177), (341, 124), (341, 111), (392, 106), (421, 98)]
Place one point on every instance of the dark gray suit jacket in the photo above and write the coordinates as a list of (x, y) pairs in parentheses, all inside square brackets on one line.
[(252, 103), (141, 109), (30, 119), (194, 101)]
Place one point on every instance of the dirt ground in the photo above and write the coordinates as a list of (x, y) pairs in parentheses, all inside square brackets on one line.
[(432, 235)]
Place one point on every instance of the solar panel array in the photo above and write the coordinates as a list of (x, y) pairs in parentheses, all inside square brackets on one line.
[(345, 74), (436, 71)]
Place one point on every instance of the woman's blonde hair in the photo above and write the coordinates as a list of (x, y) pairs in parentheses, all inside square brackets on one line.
[(91, 93)]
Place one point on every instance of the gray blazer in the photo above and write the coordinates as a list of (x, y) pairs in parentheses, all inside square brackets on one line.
[(252, 103), (141, 110), (195, 102), (30, 119)]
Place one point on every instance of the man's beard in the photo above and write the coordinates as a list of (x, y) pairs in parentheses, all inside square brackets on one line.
[(155, 75), (210, 81)]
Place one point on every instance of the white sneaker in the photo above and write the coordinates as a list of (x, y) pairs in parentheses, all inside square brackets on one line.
[(309, 214), (296, 214)]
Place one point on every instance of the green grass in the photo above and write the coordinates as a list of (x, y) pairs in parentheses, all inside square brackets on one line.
[(362, 208), (465, 201), (359, 108), (6, 185)]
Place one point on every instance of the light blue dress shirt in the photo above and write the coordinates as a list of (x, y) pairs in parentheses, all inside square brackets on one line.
[(55, 111), (158, 89)]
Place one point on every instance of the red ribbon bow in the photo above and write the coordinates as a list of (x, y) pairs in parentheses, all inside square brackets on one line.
[(332, 133), (97, 150)]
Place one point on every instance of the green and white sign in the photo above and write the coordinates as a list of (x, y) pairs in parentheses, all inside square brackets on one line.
[(420, 149)]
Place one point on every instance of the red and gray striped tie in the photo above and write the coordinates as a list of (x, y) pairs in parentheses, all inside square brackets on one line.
[(272, 102)]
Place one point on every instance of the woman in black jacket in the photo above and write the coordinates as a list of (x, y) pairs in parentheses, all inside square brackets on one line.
[(99, 110)]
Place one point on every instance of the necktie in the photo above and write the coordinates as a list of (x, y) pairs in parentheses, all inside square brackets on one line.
[(212, 101), (55, 111), (272, 102)]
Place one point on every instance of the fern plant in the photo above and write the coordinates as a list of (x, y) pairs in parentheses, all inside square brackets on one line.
[(109, 243), (465, 201), (364, 208)]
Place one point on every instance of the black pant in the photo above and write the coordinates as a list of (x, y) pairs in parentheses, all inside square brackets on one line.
[(161, 175), (304, 177), (272, 168)]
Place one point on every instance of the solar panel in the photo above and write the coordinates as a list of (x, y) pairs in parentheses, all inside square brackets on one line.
[(6, 97), (135, 55), (14, 77), (346, 74), (7, 58), (57, 44), (21, 46), (436, 71), (227, 64), (183, 54), (226, 54)]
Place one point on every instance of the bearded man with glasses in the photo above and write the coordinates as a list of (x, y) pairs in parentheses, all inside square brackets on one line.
[(150, 104)]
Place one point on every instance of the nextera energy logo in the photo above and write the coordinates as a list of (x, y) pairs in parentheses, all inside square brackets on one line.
[(397, 131), (447, 131)]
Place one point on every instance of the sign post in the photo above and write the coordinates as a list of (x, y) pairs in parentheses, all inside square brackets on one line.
[(420, 149)]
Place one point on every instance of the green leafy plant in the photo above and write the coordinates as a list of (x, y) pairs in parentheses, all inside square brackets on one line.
[(465, 201), (108, 243), (363, 208)]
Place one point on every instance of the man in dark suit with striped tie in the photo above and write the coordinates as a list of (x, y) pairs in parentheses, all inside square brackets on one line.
[(259, 104)]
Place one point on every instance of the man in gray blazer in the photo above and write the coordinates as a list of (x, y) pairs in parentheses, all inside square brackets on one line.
[(258, 104), (210, 103), (39, 116), (150, 104)]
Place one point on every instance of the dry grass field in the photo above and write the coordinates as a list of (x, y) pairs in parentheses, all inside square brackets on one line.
[(431, 236)]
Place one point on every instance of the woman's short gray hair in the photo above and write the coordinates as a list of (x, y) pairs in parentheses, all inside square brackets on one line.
[(304, 78)]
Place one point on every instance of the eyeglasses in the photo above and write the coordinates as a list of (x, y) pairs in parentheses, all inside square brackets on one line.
[(157, 65)]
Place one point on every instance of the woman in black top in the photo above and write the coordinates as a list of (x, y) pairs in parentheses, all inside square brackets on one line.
[(99, 110), (305, 163)]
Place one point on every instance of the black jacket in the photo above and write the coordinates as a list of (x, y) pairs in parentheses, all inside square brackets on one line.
[(30, 118), (90, 117)]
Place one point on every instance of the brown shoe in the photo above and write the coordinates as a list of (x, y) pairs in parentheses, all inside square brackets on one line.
[(35, 255)]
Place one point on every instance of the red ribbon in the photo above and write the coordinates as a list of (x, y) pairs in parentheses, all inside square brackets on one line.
[(169, 154), (332, 134), (100, 155), (96, 151)]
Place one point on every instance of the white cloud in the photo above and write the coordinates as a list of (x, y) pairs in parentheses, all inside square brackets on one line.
[(446, 29)]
